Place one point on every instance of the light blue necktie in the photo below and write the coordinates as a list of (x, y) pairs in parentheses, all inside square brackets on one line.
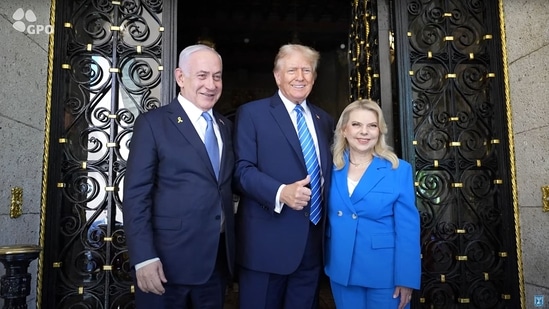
[(311, 162), (211, 143)]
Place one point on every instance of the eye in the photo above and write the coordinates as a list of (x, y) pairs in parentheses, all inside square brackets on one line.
[(355, 124), (217, 77), (307, 71), (291, 71), (201, 76), (372, 125)]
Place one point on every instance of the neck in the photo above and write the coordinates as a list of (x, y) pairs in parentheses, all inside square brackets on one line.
[(360, 160)]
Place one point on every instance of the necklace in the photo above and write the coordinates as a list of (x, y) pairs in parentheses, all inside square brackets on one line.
[(362, 163)]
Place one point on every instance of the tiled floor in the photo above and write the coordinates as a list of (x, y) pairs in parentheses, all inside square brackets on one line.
[(325, 296)]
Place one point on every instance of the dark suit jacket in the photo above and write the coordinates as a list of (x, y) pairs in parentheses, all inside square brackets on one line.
[(172, 200), (268, 155)]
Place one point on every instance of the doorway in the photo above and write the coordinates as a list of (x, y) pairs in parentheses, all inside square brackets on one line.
[(248, 34)]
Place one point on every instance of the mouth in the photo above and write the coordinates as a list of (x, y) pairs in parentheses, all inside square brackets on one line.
[(210, 95), (299, 86)]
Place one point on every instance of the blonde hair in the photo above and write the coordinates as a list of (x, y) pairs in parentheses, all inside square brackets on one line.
[(340, 145), (308, 52)]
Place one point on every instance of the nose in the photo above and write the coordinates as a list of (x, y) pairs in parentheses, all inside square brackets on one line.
[(210, 83), (299, 74)]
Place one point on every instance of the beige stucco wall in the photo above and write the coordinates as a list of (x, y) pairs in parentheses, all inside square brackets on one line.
[(23, 63), (527, 32)]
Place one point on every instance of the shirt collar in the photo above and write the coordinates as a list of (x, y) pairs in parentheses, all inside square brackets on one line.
[(194, 113), (290, 106)]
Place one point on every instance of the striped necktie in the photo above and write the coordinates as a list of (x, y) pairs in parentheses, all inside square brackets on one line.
[(211, 143), (311, 162)]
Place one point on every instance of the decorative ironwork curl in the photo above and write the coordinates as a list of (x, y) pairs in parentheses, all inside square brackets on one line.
[(131, 7), (104, 6), (154, 5), (484, 294)]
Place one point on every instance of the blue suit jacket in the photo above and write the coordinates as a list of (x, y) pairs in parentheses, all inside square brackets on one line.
[(172, 200), (269, 155), (373, 235)]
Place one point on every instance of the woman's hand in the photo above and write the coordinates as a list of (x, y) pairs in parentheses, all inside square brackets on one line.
[(405, 296)]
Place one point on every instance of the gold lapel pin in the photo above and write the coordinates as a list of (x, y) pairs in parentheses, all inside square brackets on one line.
[(179, 120)]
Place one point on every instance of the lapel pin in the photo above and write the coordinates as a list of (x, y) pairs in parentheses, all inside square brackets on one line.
[(179, 120), (317, 116), (222, 122)]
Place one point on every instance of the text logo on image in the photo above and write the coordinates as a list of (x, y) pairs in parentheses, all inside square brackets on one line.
[(25, 22), (538, 300)]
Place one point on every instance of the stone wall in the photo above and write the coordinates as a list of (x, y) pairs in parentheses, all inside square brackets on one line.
[(23, 63), (527, 32)]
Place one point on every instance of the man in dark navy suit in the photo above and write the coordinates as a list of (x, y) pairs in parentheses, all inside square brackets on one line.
[(279, 233), (178, 209)]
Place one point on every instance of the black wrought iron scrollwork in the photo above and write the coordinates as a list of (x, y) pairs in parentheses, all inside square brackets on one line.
[(456, 155), (111, 66)]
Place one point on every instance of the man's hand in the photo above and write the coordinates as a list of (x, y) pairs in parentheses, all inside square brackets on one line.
[(296, 195), (150, 278)]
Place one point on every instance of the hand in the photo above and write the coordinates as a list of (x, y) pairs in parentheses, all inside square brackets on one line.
[(296, 195), (405, 296), (150, 278)]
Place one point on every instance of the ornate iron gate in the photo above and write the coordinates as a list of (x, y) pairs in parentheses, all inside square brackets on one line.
[(462, 142), (107, 69), (454, 123)]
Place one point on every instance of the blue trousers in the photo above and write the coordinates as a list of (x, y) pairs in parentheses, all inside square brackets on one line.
[(358, 297)]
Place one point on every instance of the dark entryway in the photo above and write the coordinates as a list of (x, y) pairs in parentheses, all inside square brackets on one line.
[(248, 34)]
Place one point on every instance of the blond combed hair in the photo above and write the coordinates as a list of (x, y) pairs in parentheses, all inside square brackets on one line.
[(309, 53), (340, 145)]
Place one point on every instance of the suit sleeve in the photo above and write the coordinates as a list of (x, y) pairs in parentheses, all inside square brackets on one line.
[(139, 182), (248, 176), (407, 251)]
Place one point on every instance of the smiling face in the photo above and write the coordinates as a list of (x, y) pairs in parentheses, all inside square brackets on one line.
[(362, 131), (200, 80), (295, 77)]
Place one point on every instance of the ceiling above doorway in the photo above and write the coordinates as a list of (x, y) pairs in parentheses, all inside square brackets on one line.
[(248, 33)]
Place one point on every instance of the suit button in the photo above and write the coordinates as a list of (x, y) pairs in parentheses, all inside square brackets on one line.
[(354, 216), (339, 213), (306, 213), (217, 217)]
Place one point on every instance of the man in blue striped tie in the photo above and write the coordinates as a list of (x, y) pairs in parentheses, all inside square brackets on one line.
[(282, 147)]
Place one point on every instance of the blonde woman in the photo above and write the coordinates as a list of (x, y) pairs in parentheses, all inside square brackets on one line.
[(372, 244)]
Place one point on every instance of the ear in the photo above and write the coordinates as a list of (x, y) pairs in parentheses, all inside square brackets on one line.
[(179, 77), (276, 75)]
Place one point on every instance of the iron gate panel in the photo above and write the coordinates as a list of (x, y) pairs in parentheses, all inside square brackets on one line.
[(107, 70)]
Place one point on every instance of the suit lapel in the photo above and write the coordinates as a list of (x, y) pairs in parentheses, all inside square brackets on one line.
[(340, 183), (180, 119), (371, 177), (225, 137), (322, 139), (280, 114)]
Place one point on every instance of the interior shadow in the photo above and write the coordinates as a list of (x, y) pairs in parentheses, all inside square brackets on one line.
[(248, 35)]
